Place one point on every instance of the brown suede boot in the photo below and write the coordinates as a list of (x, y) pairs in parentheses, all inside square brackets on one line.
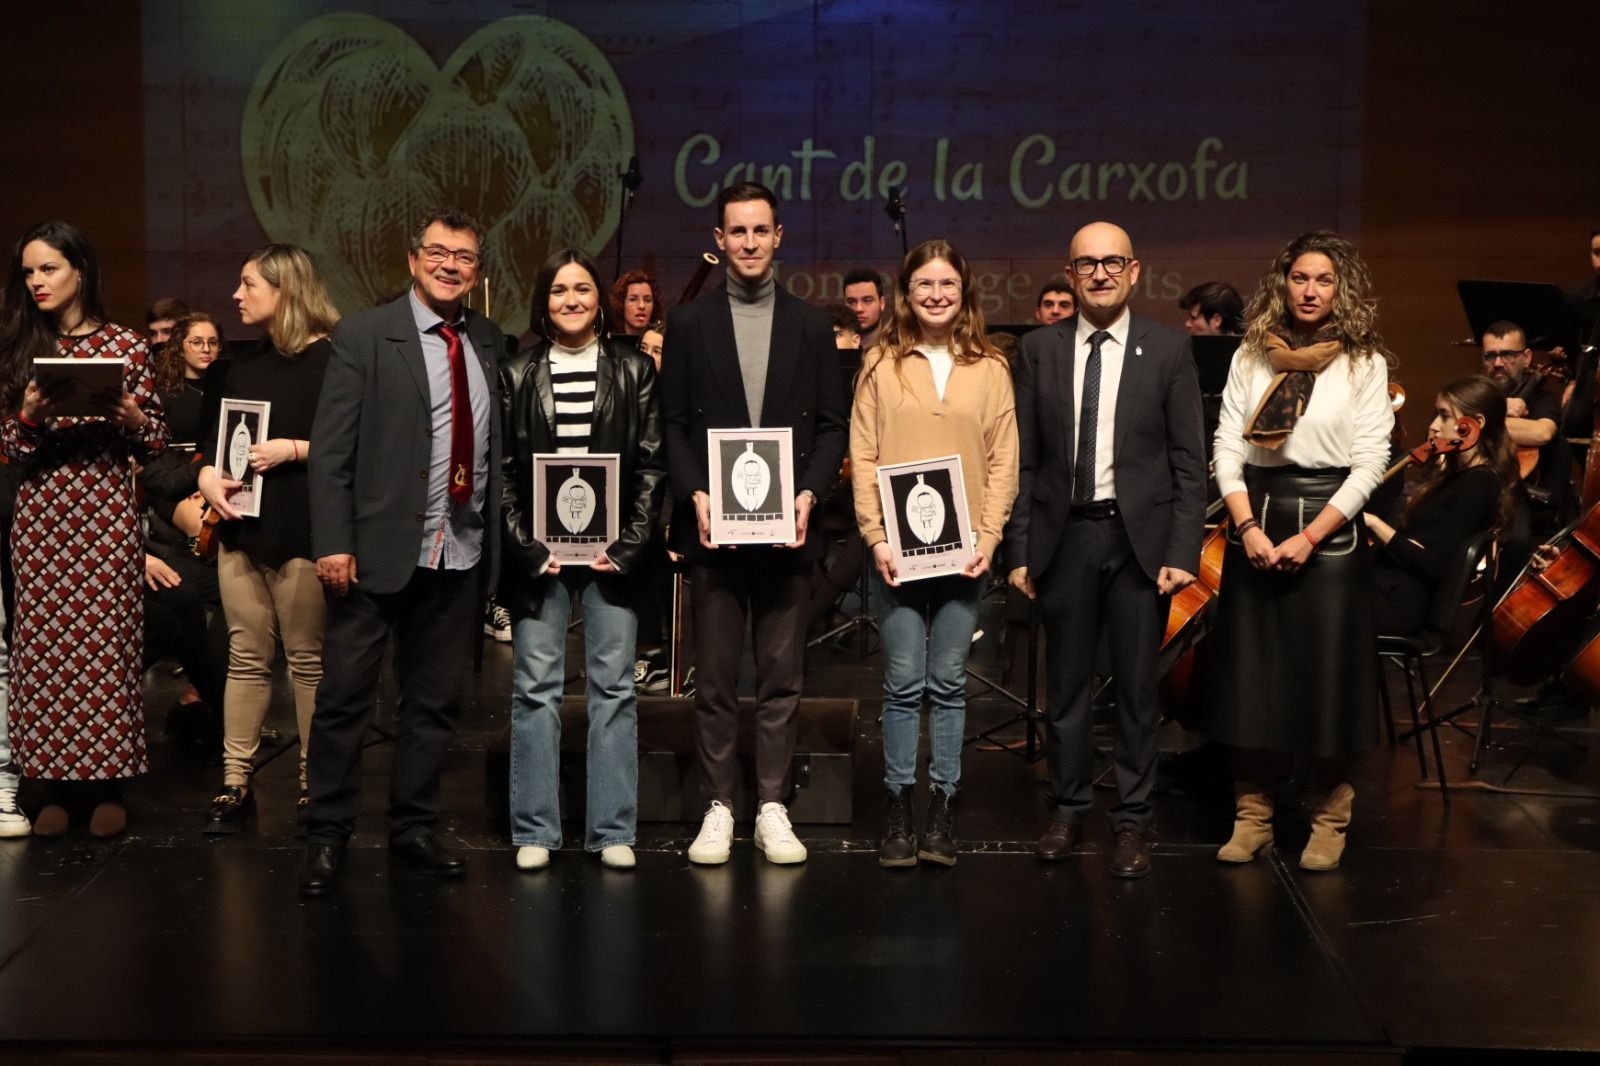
[(1328, 821), (52, 821), (108, 820), (1252, 823)]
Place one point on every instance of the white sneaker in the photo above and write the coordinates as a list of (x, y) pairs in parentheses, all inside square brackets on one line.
[(13, 823), (775, 837), (617, 856), (712, 844), (532, 857)]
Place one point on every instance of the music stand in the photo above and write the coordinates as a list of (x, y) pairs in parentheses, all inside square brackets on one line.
[(1541, 310)]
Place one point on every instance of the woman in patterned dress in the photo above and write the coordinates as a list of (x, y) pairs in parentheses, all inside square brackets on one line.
[(77, 712)]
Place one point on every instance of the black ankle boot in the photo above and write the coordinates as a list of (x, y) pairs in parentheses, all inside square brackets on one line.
[(939, 842), (899, 847)]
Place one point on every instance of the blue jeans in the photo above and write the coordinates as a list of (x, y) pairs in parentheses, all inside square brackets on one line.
[(538, 679), (10, 775), (925, 657)]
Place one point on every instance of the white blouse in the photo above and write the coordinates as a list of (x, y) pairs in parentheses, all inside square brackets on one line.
[(1346, 423)]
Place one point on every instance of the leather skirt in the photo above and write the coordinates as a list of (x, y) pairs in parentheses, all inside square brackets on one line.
[(1290, 664)]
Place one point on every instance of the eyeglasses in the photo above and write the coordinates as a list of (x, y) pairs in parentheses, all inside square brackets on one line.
[(1492, 355), (1084, 266), (928, 286), (438, 253), (202, 342)]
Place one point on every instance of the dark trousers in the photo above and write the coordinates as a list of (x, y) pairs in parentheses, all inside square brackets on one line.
[(729, 594), (435, 619), (1095, 584), (176, 627)]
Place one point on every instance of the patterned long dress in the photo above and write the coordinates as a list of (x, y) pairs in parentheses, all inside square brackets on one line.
[(77, 710)]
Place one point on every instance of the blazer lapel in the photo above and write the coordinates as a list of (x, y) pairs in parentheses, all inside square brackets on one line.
[(1066, 341), (1132, 373), (723, 351), (782, 355), (403, 332)]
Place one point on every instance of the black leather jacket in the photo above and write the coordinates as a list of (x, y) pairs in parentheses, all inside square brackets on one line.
[(626, 421)]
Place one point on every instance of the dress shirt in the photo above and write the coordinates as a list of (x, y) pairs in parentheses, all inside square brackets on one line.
[(452, 535), (1112, 352)]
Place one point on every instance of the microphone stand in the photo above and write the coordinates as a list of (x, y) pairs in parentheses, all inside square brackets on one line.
[(631, 180), (896, 210)]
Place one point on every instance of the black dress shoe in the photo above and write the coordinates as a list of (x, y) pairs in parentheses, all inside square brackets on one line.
[(229, 808), (321, 869), (1058, 842), (424, 852), (1131, 857)]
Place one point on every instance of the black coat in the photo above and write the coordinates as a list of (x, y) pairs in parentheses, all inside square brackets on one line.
[(702, 388), (626, 421), (1160, 447)]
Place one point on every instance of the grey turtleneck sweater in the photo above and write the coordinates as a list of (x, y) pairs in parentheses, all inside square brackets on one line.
[(752, 334)]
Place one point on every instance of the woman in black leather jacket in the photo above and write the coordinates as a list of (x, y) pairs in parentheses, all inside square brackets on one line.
[(576, 393)]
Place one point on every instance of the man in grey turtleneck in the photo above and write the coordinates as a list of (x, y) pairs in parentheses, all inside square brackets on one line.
[(748, 355)]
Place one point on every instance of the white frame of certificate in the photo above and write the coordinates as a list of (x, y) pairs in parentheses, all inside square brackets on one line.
[(760, 508), (575, 546), (247, 501), (938, 553)]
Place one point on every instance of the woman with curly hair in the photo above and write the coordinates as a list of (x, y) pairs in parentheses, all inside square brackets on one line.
[(636, 302), (1302, 441), (181, 365)]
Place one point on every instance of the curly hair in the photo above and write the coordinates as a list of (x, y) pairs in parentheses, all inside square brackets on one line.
[(619, 296), (169, 359), (1354, 319)]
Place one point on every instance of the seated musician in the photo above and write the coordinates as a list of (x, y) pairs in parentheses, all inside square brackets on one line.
[(1532, 415), (1468, 492)]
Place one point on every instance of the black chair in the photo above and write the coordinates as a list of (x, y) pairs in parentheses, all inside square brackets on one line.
[(1410, 653)]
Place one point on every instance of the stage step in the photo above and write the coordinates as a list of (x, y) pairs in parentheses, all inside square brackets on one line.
[(669, 786)]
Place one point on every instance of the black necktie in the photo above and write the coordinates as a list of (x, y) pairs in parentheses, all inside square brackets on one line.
[(1088, 420)]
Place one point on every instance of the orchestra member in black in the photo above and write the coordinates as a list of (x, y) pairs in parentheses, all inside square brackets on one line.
[(1469, 491)]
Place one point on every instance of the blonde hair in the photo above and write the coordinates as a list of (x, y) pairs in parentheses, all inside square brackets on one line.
[(1354, 319), (304, 311)]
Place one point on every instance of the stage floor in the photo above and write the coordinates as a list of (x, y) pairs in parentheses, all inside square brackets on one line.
[(1475, 927)]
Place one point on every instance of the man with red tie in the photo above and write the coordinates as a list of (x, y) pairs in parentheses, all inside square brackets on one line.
[(405, 491)]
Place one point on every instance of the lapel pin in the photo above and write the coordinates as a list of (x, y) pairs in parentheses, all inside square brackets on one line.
[(1138, 350)]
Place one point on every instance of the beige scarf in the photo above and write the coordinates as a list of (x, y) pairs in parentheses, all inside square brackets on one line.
[(1298, 361)]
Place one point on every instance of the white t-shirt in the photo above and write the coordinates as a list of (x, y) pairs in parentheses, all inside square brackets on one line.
[(940, 359)]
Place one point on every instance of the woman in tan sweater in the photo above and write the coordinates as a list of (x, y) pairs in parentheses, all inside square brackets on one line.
[(932, 387)]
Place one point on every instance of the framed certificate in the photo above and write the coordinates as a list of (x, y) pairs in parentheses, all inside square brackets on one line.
[(752, 485), (925, 517), (80, 382), (575, 505), (243, 425)]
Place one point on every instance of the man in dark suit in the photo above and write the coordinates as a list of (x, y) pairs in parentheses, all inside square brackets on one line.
[(748, 355), (405, 496), (1107, 525)]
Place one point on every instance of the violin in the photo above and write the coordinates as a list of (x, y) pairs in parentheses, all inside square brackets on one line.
[(205, 542)]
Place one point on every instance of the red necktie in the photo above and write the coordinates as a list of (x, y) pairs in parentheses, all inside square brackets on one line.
[(460, 417)]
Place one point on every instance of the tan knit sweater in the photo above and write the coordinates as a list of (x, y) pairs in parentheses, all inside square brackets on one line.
[(899, 418)]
